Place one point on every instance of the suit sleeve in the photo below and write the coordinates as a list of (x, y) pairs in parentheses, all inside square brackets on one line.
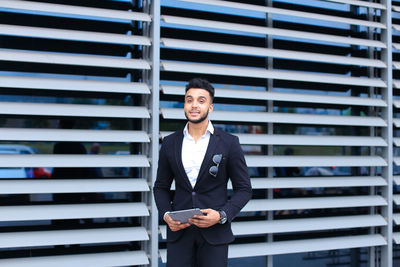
[(239, 175), (162, 185)]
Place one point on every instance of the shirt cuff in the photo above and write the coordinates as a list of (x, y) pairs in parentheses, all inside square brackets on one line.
[(165, 214)]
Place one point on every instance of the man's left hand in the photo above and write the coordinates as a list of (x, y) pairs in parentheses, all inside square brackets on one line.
[(209, 218)]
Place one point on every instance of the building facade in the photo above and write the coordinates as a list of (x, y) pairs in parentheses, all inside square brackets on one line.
[(310, 87)]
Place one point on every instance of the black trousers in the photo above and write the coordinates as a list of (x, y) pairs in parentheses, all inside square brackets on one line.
[(191, 250)]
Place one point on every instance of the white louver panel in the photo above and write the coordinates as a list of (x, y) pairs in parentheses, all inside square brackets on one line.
[(269, 31), (35, 83), (298, 225), (98, 259), (264, 139), (396, 123), (73, 186), (69, 35), (93, 61), (235, 116), (56, 212), (45, 238), (289, 97), (74, 135), (310, 88), (95, 13), (251, 72), (279, 11), (304, 92), (275, 53), (285, 247)]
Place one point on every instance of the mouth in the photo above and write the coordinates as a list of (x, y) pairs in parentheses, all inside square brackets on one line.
[(194, 113)]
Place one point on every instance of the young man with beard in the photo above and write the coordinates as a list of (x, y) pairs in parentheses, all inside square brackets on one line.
[(201, 159)]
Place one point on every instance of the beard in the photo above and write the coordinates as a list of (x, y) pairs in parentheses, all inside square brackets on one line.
[(201, 119)]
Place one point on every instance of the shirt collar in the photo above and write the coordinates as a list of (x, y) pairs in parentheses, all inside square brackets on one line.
[(210, 129)]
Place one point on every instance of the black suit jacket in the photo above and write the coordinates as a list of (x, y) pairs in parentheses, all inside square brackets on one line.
[(209, 191)]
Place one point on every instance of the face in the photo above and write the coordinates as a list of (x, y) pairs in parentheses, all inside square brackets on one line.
[(197, 105)]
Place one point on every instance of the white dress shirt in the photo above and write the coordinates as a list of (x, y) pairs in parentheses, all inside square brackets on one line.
[(193, 152)]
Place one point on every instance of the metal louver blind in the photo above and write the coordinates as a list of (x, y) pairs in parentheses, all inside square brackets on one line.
[(395, 19), (303, 85), (80, 61)]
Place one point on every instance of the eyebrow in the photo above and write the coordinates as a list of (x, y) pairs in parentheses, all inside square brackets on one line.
[(187, 96)]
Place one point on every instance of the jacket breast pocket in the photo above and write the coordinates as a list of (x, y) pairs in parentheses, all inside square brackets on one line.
[(218, 168)]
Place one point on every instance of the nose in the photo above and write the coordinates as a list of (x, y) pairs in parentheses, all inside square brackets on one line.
[(195, 103)]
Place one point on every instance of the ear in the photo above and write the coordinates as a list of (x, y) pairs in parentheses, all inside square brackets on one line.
[(211, 108)]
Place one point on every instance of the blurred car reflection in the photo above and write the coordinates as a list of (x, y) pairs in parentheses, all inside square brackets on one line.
[(36, 172)]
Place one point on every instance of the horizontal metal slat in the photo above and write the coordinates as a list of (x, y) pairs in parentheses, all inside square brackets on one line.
[(41, 160), (74, 110), (396, 8), (396, 65), (73, 59), (268, 52), (301, 182), (125, 258), (290, 97), (72, 211), (269, 31), (309, 224), (41, 186), (296, 246), (396, 83), (64, 237), (396, 179), (396, 103), (25, 134), (304, 140), (268, 74), (396, 122), (396, 45), (39, 83), (396, 218), (396, 27), (360, 3), (287, 12), (269, 117), (396, 160), (71, 35), (298, 225), (312, 140), (319, 161), (396, 199), (396, 238), (311, 182), (396, 141), (90, 12), (314, 244), (313, 203)]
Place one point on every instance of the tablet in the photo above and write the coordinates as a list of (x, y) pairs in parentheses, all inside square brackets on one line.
[(184, 215)]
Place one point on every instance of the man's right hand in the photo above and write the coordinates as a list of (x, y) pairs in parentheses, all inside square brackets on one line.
[(175, 225)]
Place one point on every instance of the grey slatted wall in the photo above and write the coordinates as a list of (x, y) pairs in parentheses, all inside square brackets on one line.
[(81, 63), (301, 84), (304, 84)]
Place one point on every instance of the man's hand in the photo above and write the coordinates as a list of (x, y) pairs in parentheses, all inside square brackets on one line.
[(209, 218), (175, 225)]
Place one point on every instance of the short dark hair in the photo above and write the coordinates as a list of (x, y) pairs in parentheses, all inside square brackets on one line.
[(202, 84)]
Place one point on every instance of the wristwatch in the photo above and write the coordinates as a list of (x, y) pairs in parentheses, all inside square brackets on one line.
[(222, 217)]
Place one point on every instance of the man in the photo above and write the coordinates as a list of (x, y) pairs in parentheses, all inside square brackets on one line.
[(201, 160)]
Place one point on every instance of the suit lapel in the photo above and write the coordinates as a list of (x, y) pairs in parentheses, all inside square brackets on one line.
[(178, 157), (207, 161)]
